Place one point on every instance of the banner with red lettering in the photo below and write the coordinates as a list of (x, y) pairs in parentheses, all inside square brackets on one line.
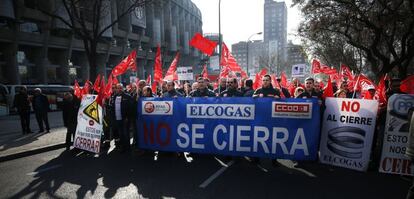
[(347, 132), (393, 159), (90, 125)]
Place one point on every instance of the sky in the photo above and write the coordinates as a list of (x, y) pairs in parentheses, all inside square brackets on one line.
[(242, 18)]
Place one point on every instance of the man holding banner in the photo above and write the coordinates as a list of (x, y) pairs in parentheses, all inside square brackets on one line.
[(266, 91)]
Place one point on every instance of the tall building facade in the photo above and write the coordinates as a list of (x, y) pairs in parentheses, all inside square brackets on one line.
[(275, 24), (296, 54), (38, 49), (255, 55)]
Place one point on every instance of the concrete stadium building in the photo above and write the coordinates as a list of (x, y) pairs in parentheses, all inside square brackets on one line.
[(38, 49)]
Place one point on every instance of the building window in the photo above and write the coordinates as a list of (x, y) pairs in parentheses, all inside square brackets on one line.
[(29, 27)]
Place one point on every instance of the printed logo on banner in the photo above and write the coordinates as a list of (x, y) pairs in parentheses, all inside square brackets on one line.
[(157, 107), (92, 111), (401, 105), (221, 111), (346, 141), (347, 132), (292, 110)]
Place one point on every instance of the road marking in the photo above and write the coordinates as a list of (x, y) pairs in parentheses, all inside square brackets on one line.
[(43, 170), (306, 172), (262, 168), (215, 175), (187, 157)]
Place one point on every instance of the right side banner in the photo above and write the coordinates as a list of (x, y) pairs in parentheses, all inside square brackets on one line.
[(393, 159), (347, 132)]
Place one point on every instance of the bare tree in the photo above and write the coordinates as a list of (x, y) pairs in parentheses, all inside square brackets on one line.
[(85, 20), (382, 30)]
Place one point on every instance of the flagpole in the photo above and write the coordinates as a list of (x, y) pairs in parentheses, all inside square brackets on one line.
[(220, 41), (356, 84)]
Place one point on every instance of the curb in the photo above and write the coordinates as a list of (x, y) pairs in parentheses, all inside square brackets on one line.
[(30, 152)]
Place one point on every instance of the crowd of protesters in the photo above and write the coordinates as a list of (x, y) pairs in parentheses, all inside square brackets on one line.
[(120, 109)]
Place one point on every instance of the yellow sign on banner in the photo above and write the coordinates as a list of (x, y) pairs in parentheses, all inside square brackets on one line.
[(92, 111)]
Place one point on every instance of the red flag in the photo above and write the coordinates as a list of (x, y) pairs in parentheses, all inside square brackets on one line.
[(108, 87), (364, 83), (128, 63), (115, 80), (258, 78), (368, 96), (172, 71), (346, 72), (77, 90), (101, 94), (204, 45), (283, 80), (229, 60), (316, 66), (132, 60), (328, 70), (154, 87), (97, 83), (328, 92), (407, 85), (224, 73), (380, 91), (158, 66), (243, 74), (86, 88), (148, 80), (204, 73), (224, 55), (336, 78)]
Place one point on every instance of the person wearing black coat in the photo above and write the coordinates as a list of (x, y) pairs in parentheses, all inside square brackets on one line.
[(267, 90), (121, 115), (231, 90), (41, 107), (70, 108), (202, 90), (22, 104), (248, 89)]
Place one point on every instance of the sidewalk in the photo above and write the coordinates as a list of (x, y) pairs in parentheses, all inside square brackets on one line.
[(13, 144)]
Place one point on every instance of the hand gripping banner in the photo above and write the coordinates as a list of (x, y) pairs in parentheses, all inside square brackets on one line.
[(261, 127)]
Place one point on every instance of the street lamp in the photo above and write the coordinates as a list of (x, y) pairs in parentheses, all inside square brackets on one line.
[(220, 42), (247, 51)]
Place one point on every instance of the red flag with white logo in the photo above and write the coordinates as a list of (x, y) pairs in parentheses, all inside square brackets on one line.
[(172, 70), (128, 63), (316, 66)]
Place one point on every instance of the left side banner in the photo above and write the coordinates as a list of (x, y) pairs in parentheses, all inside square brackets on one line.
[(90, 125)]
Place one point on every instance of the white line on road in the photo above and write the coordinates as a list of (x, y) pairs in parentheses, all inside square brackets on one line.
[(215, 175), (43, 170)]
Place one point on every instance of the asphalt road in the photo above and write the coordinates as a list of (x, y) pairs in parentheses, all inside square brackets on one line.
[(61, 174)]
